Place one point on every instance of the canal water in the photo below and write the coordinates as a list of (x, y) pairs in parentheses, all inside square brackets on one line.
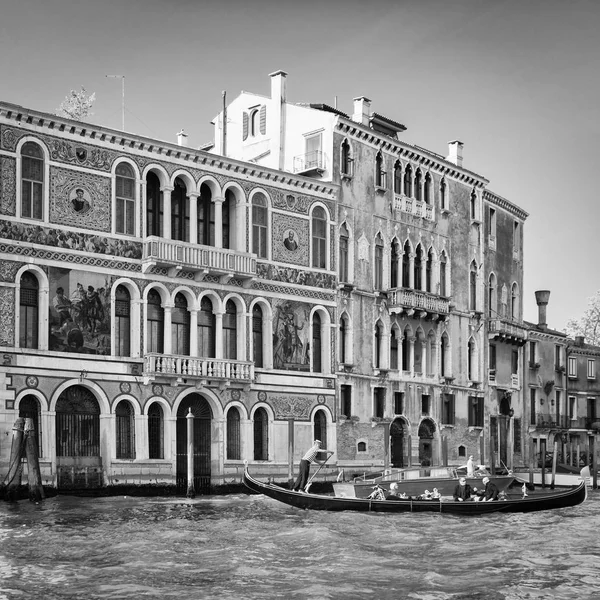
[(251, 547)]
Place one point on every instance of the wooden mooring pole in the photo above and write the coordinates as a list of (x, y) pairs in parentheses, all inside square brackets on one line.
[(190, 455), (34, 476), (554, 457), (15, 468)]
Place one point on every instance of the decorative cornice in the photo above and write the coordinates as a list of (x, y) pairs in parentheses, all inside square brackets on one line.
[(505, 204)]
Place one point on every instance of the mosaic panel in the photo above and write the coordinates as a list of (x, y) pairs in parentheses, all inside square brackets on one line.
[(7, 316), (292, 275), (290, 242), (80, 199), (291, 407), (8, 186), (8, 270)]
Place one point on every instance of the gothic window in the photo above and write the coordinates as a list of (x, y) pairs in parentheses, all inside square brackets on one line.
[(180, 217), (206, 329), (514, 302), (397, 177), (319, 238), (257, 335), (156, 323), (122, 321), (473, 286), (408, 184), (259, 225), (443, 276), (180, 326), (418, 184), (230, 331), (378, 341), (28, 311), (443, 195), (379, 171), (378, 270), (406, 265), (344, 253), (473, 204), (32, 181), (429, 271), (427, 189), (316, 343), (394, 264), (346, 159), (125, 199), (394, 349), (206, 217), (154, 205), (492, 296), (418, 268)]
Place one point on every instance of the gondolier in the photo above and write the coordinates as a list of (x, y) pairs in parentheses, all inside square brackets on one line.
[(307, 460)]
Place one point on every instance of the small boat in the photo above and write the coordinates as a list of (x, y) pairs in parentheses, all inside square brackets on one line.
[(414, 482), (515, 503)]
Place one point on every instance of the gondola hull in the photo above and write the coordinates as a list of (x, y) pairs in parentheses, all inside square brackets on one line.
[(536, 501)]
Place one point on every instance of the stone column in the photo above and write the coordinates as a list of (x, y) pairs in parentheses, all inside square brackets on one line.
[(168, 346), (411, 364), (219, 335), (218, 200), (193, 332), (166, 192), (193, 200)]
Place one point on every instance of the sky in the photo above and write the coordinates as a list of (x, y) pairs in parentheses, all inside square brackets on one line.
[(517, 81)]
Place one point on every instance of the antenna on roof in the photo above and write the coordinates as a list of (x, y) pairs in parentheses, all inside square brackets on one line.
[(335, 102)]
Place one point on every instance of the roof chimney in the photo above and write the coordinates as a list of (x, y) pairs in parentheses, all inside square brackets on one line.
[(455, 149), (362, 110), (182, 138), (278, 87), (541, 298), (579, 340)]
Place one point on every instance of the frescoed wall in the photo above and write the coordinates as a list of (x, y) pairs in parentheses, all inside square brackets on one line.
[(291, 336), (79, 311)]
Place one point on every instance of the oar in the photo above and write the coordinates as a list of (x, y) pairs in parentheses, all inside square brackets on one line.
[(307, 486)]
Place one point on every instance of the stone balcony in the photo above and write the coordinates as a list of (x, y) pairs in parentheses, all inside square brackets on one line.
[(179, 368), (201, 260), (415, 302), (507, 331), (412, 206)]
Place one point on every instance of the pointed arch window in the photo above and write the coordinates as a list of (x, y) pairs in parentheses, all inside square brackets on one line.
[(317, 366), (514, 302), (32, 181), (473, 205), (155, 432), (180, 216), (206, 329), (206, 216), (418, 268), (427, 187), (259, 225), (378, 270), (180, 326), (379, 171), (156, 323), (261, 434), (443, 275), (394, 350), (125, 199), (122, 321), (473, 286), (443, 194), (429, 271), (406, 265), (29, 311), (444, 347), (405, 352), (418, 184), (257, 336), (408, 184), (230, 331), (394, 264), (319, 238), (234, 446), (125, 437), (320, 428), (344, 339), (154, 205), (226, 218), (346, 159), (471, 358), (492, 296), (397, 177), (344, 253), (378, 342)]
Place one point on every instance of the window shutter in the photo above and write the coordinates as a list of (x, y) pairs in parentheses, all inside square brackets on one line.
[(517, 435), (245, 133), (263, 119)]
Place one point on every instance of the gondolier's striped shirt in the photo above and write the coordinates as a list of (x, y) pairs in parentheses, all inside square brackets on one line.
[(311, 454)]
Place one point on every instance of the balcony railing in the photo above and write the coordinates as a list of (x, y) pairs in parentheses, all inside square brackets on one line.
[(311, 162), (190, 367), (203, 260), (413, 207), (507, 330), (407, 300)]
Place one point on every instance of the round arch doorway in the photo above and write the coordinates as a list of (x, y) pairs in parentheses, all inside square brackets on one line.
[(399, 443), (202, 441), (426, 441)]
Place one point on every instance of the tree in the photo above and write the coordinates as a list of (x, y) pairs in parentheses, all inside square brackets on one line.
[(77, 105), (589, 324)]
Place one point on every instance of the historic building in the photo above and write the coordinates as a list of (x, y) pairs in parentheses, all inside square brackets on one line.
[(429, 345), (142, 282)]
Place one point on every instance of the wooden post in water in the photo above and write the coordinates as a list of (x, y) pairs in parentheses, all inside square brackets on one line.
[(594, 465), (481, 449), (15, 468), (34, 476), (409, 438), (554, 459), (386, 446), (492, 457), (531, 459), (578, 455), (543, 459), (190, 455), (444, 451), (291, 452)]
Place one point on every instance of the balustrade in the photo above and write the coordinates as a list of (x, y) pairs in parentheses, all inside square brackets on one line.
[(197, 368)]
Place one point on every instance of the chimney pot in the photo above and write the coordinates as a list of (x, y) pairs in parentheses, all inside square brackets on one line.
[(278, 85), (579, 340), (455, 149), (182, 138), (362, 110), (541, 298)]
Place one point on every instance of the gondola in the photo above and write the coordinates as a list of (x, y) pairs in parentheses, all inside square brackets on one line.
[(535, 501)]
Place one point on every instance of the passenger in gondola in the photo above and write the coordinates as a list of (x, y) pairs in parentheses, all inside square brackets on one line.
[(307, 460), (435, 495), (462, 491), (393, 495), (470, 467), (491, 490)]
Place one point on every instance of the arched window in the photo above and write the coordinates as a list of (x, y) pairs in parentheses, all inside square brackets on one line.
[(427, 189), (443, 194), (206, 329), (319, 238), (405, 352), (394, 350), (316, 344), (443, 275), (257, 335), (397, 177), (77, 423), (154, 205), (125, 199), (32, 181), (394, 264), (346, 159), (492, 296), (156, 323), (344, 355), (418, 353), (444, 364), (418, 268), (226, 217), (261, 434), (122, 321), (29, 408), (473, 203), (418, 184), (28, 311), (206, 217), (406, 265), (259, 225), (320, 428), (125, 430), (429, 271), (155, 431), (230, 331), (473, 286), (514, 302), (379, 171), (254, 122), (408, 188), (180, 326), (471, 358), (180, 216), (378, 270), (234, 443), (344, 253), (378, 342)]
